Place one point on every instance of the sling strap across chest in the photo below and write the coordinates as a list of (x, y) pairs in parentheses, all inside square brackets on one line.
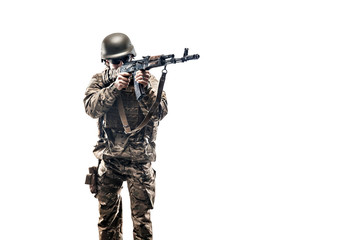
[(148, 116)]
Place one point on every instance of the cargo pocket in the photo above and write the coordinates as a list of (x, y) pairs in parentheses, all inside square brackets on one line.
[(149, 183), (142, 189)]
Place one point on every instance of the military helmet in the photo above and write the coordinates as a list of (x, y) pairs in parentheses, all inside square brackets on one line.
[(116, 45)]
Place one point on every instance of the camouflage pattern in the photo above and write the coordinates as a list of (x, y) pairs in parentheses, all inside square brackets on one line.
[(140, 179), (124, 158), (101, 102)]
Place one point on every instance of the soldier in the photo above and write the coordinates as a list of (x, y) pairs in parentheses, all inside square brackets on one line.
[(123, 157)]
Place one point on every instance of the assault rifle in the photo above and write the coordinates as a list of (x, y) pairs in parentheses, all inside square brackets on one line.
[(149, 62)]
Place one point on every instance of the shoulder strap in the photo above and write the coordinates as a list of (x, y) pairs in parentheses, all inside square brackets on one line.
[(123, 117)]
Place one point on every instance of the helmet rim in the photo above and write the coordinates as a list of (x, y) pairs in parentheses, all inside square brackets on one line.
[(116, 45)]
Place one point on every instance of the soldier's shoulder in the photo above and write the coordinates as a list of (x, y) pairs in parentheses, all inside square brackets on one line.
[(153, 81), (96, 81), (97, 76)]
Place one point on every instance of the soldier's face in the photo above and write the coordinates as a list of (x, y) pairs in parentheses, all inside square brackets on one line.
[(115, 65)]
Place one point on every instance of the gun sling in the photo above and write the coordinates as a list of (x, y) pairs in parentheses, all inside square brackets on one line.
[(148, 116)]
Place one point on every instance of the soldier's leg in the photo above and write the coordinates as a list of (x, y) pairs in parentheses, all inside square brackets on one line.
[(110, 205), (142, 194)]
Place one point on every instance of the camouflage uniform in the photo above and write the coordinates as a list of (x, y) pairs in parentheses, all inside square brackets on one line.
[(122, 158)]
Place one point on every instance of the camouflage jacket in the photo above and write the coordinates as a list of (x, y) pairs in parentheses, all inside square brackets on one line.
[(101, 102)]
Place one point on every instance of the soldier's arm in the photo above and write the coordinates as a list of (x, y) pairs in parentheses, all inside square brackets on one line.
[(98, 97), (150, 98)]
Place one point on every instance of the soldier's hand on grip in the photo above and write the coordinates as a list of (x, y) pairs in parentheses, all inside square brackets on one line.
[(122, 81), (143, 77)]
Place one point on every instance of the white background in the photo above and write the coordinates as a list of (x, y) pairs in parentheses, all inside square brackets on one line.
[(262, 137)]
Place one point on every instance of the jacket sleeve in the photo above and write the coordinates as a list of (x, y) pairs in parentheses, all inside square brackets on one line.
[(150, 98), (98, 97)]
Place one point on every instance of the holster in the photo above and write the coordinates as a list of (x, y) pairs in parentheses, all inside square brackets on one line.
[(91, 179)]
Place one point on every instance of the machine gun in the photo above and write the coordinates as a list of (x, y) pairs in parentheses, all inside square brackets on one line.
[(150, 62)]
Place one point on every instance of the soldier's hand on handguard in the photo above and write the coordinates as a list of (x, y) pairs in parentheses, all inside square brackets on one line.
[(122, 81), (143, 77)]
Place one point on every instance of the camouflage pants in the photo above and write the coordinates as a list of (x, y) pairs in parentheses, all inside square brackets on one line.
[(140, 179)]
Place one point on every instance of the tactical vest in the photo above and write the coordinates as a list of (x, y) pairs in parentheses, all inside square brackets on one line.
[(133, 110), (141, 146)]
